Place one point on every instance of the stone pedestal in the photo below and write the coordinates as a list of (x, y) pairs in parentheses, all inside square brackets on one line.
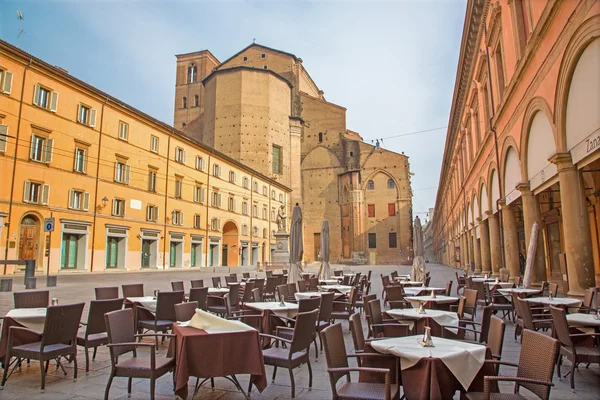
[(282, 251)]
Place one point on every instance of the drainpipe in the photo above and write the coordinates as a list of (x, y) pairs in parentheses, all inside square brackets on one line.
[(166, 202), (207, 245), (487, 54), (251, 245), (96, 187), (12, 183)]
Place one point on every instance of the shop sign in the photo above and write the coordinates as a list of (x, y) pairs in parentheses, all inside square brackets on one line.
[(548, 172), (589, 145)]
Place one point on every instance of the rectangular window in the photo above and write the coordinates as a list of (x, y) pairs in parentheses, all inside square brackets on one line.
[(499, 70), (217, 170), (264, 214), (86, 115), (45, 98), (41, 149), (123, 131), (255, 211), (231, 204), (3, 137), (177, 217), (80, 160), (216, 199), (244, 229), (371, 210), (265, 191), (277, 159), (152, 181), (245, 208), (200, 163), (118, 207), (393, 243), (273, 195), (154, 144), (391, 209), (372, 240), (199, 193), (180, 155), (245, 183), (215, 224), (178, 187), (36, 193), (255, 231), (152, 213), (122, 172), (79, 200), (197, 221), (232, 177), (6, 81)]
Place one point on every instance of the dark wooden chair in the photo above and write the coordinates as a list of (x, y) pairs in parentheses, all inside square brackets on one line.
[(95, 328), (338, 367), (313, 284), (256, 296), (358, 334), (59, 339), (225, 305), (270, 288), (377, 320), (395, 297), (366, 299), (534, 370), (200, 296), (164, 318), (107, 293), (231, 279), (259, 284), (133, 290), (247, 294), (553, 289), (338, 273), (37, 299), (460, 282), (216, 281), (343, 309), (122, 340), (185, 311), (517, 281), (292, 288), (588, 301), (296, 352), (575, 353), (246, 275), (177, 286), (495, 339), (531, 321), (197, 283), (324, 320)]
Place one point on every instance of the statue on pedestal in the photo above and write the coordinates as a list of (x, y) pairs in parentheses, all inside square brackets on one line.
[(281, 218)]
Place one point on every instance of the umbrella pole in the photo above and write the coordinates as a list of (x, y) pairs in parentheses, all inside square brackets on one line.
[(320, 271)]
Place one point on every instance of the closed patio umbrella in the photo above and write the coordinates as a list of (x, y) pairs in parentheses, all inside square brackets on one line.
[(418, 268), (296, 246), (325, 271)]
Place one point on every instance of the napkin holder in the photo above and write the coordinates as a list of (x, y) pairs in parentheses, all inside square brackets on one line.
[(597, 315), (421, 310), (281, 303), (427, 341), (432, 294), (550, 296)]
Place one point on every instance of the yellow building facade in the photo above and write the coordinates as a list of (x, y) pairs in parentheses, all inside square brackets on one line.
[(126, 191)]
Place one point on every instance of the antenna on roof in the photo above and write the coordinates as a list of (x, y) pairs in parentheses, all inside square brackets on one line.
[(21, 31)]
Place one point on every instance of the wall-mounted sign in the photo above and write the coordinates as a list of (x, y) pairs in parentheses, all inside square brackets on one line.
[(589, 145), (135, 204)]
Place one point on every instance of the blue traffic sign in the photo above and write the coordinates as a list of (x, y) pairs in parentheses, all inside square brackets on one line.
[(49, 225)]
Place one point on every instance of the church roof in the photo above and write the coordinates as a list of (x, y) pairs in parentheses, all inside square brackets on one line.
[(261, 46)]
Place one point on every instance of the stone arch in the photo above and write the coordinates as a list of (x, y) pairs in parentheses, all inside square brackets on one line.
[(476, 210), (537, 108), (381, 171), (30, 245), (494, 190), (231, 240), (510, 167), (315, 155), (583, 37), (483, 198)]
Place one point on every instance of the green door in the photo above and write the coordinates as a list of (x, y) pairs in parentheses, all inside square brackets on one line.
[(173, 254), (193, 255), (145, 253), (112, 252), (69, 251)]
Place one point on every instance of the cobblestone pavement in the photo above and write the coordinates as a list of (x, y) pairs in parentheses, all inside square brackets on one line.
[(77, 288)]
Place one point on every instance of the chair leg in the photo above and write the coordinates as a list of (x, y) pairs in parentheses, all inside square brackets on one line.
[(558, 363), (87, 360), (110, 379), (129, 387), (292, 381), (309, 374), (316, 349), (75, 365), (47, 365), (94, 356), (43, 373), (274, 373), (572, 377), (152, 386)]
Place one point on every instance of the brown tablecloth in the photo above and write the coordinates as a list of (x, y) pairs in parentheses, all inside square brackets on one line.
[(214, 355), (19, 337), (430, 378)]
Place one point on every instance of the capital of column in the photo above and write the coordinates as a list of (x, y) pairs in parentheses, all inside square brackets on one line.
[(524, 188), (478, 219), (563, 161), (502, 203), (490, 214)]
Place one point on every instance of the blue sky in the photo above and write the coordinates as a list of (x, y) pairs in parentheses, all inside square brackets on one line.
[(392, 64)]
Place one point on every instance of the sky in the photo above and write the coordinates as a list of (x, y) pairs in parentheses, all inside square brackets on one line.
[(392, 64)]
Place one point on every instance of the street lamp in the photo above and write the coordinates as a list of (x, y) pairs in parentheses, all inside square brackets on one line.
[(104, 201)]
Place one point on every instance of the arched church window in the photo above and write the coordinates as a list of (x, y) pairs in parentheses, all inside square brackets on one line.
[(192, 73), (371, 185), (391, 184)]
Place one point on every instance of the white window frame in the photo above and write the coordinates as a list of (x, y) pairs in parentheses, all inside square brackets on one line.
[(122, 172), (217, 170), (83, 169), (118, 211), (178, 188), (245, 208), (232, 177), (180, 155), (41, 154), (231, 204), (3, 137), (177, 217), (51, 102), (152, 180), (79, 200), (245, 182), (123, 131), (42, 195), (154, 144), (6, 78), (197, 221), (151, 213), (86, 118)]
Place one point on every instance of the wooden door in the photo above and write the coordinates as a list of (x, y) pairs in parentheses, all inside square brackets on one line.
[(27, 242)]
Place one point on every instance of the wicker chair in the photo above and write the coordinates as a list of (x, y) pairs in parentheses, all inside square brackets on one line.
[(256, 297), (297, 351), (366, 299), (107, 293), (358, 335), (395, 297), (197, 283), (260, 285), (226, 304), (574, 353), (338, 273), (362, 293), (269, 274), (95, 333), (499, 303), (534, 370), (132, 290), (246, 275), (59, 339), (338, 367), (200, 296), (185, 311), (517, 281), (394, 274), (377, 318), (324, 320), (292, 288), (37, 299), (303, 286), (481, 296), (385, 282), (122, 340), (282, 293), (270, 288), (177, 286), (460, 282), (343, 309), (448, 291), (164, 317), (553, 289), (231, 278), (495, 339), (484, 326), (313, 284), (247, 294), (588, 301), (216, 281), (542, 321)]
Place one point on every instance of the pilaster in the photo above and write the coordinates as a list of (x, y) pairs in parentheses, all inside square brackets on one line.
[(484, 242), (495, 249)]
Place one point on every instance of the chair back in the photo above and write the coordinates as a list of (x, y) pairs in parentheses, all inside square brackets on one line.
[(185, 311), (285, 271), (517, 280), (516, 305), (269, 274), (460, 280), (246, 275), (247, 296), (448, 291), (553, 289), (346, 280), (95, 321), (234, 295), (332, 338), (199, 295), (560, 326), (356, 280), (460, 311), (326, 306), (427, 281), (133, 290), (62, 324), (588, 298), (394, 274), (120, 329), (37, 299), (395, 330), (470, 297), (230, 279), (495, 339), (313, 284), (337, 273), (369, 276), (538, 356), (526, 314), (271, 285), (395, 293), (486, 315), (306, 305), (468, 282), (375, 312), (385, 281), (165, 305), (292, 289), (303, 286), (197, 283), (216, 281), (260, 285), (256, 297), (479, 287), (543, 287), (304, 331), (358, 335), (177, 286), (105, 293), (282, 292)]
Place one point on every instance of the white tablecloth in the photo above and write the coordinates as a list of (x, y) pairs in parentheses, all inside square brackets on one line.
[(329, 281), (31, 318), (338, 288), (308, 295), (415, 300), (402, 278), (503, 285), (463, 359), (441, 317), (583, 320), (507, 292), (218, 291), (555, 301), (290, 310), (416, 291), (409, 283), (483, 279), (148, 302)]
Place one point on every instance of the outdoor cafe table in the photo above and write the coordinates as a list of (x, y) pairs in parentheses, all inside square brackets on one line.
[(217, 291), (270, 310), (402, 277), (205, 354), (329, 281), (483, 279), (308, 295), (432, 318), (519, 291), (566, 302), (434, 372), (31, 318), (416, 291), (583, 320), (343, 289), (408, 283), (499, 285), (428, 300)]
